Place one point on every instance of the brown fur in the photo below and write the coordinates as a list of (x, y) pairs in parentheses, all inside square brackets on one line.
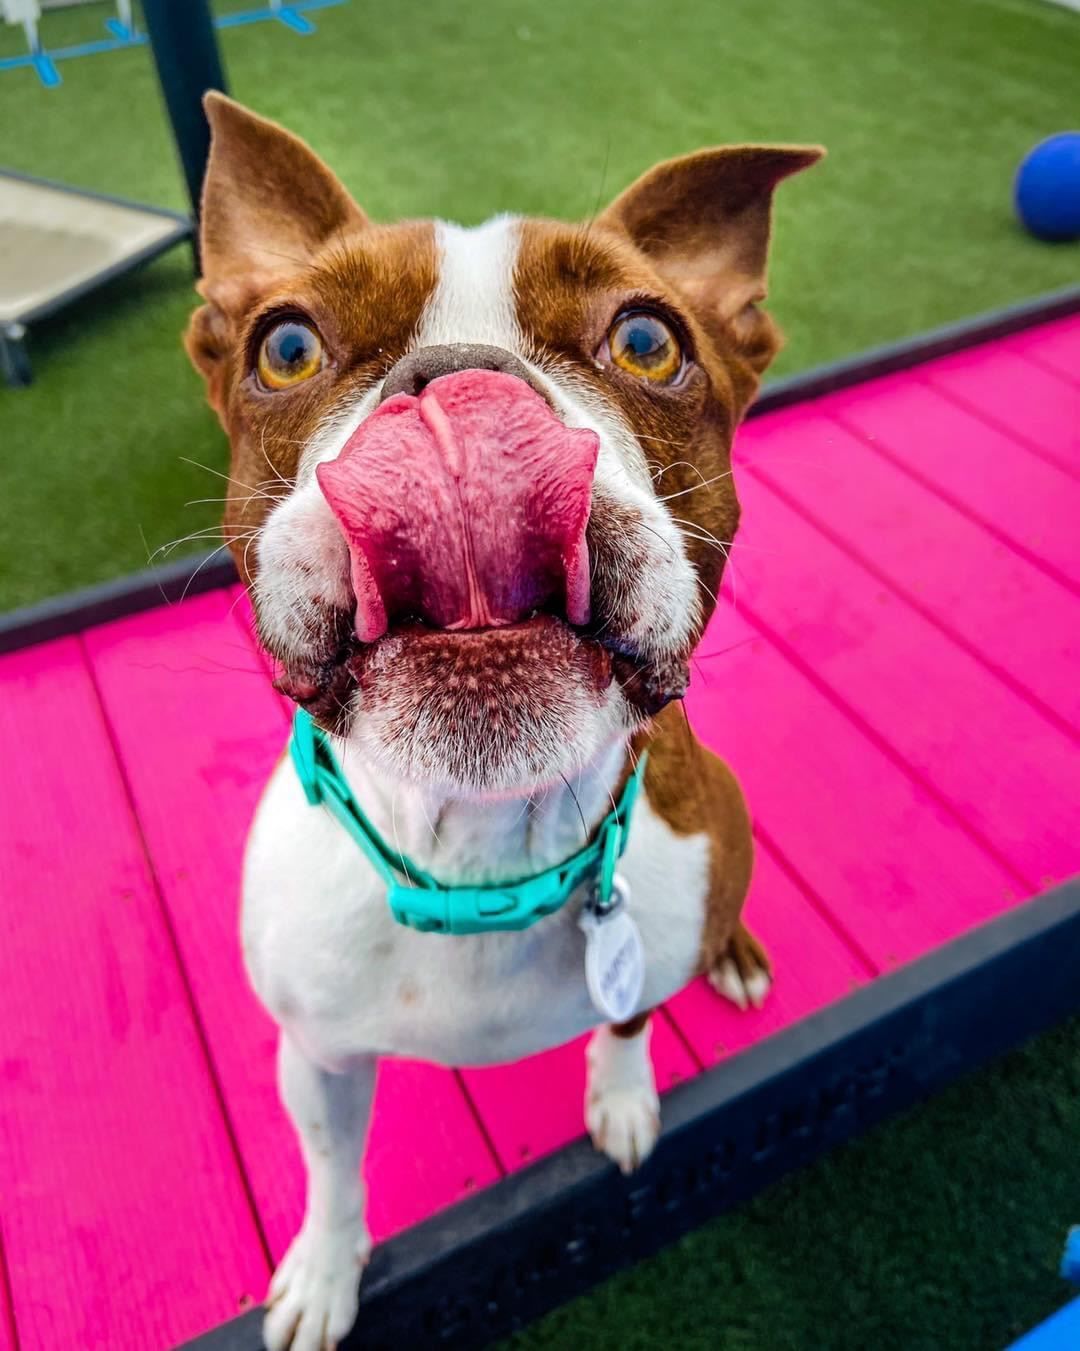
[(633, 1027)]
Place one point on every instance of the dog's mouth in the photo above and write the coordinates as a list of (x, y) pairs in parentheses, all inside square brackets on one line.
[(492, 669), (466, 514), (465, 507)]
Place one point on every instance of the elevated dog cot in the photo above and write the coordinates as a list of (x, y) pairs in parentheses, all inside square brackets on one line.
[(892, 674), (57, 243)]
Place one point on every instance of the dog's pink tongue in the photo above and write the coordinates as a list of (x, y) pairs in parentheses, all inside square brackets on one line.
[(465, 507)]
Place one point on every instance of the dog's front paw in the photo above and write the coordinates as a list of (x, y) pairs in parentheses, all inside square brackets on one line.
[(742, 972), (624, 1123), (314, 1294)]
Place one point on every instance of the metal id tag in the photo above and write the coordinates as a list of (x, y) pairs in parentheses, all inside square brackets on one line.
[(614, 955)]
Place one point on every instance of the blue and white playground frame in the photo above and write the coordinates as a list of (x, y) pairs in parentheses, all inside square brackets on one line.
[(124, 32)]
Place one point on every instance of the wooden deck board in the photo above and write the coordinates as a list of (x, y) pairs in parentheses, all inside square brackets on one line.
[(1022, 500), (7, 1313), (875, 849), (1055, 346), (904, 625), (904, 678), (110, 1118), (187, 680), (984, 597), (812, 965), (1038, 407)]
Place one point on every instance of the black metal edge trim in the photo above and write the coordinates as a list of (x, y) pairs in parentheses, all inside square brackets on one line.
[(77, 610), (493, 1263), (62, 614), (76, 191), (899, 356)]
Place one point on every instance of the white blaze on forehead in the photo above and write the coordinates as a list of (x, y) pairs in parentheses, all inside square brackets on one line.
[(473, 300)]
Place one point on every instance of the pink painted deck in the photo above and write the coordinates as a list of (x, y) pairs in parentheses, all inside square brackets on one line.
[(893, 675)]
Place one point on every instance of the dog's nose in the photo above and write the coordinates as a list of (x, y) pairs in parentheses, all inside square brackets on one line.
[(417, 370)]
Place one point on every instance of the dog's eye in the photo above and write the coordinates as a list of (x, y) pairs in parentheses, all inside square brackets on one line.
[(641, 344), (289, 353)]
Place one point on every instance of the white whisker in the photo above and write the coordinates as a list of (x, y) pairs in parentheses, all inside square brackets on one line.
[(678, 464), (705, 483)]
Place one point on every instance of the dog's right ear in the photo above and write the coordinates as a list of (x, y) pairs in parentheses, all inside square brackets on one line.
[(268, 202), (704, 222)]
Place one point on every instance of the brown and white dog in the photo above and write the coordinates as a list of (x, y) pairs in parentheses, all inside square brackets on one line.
[(489, 592)]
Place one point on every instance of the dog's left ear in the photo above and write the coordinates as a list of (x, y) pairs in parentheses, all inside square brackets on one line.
[(268, 203), (704, 222)]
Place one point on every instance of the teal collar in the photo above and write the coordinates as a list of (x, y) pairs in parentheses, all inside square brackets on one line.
[(416, 898)]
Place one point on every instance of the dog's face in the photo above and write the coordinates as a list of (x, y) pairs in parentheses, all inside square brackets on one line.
[(480, 484)]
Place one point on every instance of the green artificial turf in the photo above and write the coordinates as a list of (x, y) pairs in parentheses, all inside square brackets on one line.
[(941, 1231), (463, 109)]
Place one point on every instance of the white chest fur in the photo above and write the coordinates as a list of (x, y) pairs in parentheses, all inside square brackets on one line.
[(333, 966)]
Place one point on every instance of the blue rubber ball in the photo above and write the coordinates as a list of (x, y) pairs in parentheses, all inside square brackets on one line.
[(1047, 190)]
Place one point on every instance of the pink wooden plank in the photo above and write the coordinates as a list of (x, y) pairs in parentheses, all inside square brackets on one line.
[(947, 716), (425, 1149), (886, 861), (1009, 615), (200, 728), (812, 966), (1024, 501), (126, 1224), (537, 1105), (1056, 346), (1032, 403), (7, 1314)]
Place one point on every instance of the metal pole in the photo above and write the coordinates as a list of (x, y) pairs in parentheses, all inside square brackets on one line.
[(188, 63), (14, 358)]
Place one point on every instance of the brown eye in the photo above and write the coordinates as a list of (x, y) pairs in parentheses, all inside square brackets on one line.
[(290, 352), (643, 345)]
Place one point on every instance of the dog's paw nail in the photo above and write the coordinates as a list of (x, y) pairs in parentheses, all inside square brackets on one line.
[(757, 988), (726, 981)]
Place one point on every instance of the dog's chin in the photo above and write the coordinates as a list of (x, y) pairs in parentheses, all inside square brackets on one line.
[(486, 712)]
